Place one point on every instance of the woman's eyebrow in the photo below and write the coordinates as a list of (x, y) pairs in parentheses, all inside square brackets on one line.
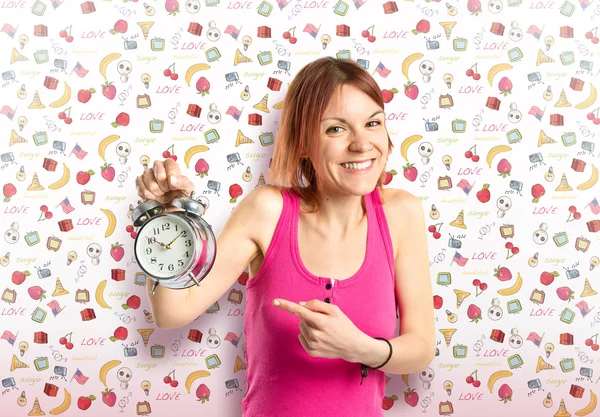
[(344, 120)]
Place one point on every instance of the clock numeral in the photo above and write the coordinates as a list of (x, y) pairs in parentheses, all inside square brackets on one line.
[(186, 254), (166, 226), (184, 233), (161, 266), (156, 230), (151, 240), (188, 242), (180, 262), (171, 267), (153, 260), (148, 251)]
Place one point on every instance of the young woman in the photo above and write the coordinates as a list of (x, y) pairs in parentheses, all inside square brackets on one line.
[(333, 257)]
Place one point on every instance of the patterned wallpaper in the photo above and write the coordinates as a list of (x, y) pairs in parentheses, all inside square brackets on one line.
[(493, 111)]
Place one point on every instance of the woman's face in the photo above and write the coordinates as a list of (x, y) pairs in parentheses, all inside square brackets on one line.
[(361, 135)]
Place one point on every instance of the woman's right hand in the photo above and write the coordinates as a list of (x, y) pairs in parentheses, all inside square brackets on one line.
[(163, 182)]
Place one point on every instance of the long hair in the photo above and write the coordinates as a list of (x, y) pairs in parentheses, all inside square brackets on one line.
[(304, 104)]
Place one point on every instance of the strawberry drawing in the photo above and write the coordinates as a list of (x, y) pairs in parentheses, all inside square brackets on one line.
[(474, 313), (411, 90), (410, 172)]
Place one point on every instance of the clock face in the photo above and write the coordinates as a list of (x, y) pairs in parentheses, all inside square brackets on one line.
[(165, 246)]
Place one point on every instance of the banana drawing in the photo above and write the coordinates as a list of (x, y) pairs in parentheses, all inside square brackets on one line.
[(514, 289), (496, 376), (590, 407), (63, 180), (592, 181), (191, 152), (406, 143), (495, 151), (194, 69), (100, 295), (104, 143), (495, 69), (194, 376), (588, 101), (112, 222), (64, 406), (409, 60), (64, 99), (107, 367), (107, 60)]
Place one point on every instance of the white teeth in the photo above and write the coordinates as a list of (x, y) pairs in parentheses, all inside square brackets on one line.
[(362, 165)]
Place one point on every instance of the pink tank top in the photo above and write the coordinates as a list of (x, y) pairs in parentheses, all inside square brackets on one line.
[(283, 379)]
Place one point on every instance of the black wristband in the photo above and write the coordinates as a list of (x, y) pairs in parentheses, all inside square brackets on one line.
[(364, 367)]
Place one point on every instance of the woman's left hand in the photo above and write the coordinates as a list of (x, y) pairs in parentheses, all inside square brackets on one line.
[(325, 331)]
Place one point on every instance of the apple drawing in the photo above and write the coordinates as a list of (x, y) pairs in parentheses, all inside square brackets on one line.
[(388, 95), (389, 175), (119, 27), (547, 278), (83, 177), (85, 95), (132, 302), (388, 402), (120, 333), (122, 120), (85, 402), (483, 195), (18, 277)]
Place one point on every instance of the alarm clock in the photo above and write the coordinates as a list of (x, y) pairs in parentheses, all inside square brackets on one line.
[(175, 249)]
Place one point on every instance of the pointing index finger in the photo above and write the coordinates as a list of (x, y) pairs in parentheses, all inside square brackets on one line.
[(294, 308)]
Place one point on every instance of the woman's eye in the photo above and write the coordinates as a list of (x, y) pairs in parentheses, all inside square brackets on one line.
[(338, 127)]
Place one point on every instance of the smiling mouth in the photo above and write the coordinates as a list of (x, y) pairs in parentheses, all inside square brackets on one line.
[(358, 165)]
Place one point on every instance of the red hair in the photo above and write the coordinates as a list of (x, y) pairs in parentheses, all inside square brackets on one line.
[(304, 104)]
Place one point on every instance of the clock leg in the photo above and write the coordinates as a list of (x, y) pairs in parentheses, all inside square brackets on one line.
[(154, 287), (194, 279)]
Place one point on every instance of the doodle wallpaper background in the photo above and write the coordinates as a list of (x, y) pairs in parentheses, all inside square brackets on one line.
[(493, 113)]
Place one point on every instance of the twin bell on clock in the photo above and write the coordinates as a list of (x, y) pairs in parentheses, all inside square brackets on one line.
[(175, 249)]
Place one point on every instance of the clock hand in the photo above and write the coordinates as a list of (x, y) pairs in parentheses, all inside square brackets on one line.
[(153, 240), (168, 246)]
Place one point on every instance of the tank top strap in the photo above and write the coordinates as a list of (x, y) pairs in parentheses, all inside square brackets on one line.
[(384, 230)]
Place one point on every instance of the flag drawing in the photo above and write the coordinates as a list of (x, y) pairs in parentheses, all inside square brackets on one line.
[(231, 337), (459, 259), (233, 111), (358, 3), (535, 110), (79, 153), (79, 70), (9, 30), (55, 307), (535, 338), (56, 3), (584, 4), (594, 206), (282, 3), (464, 184), (66, 206), (7, 111), (231, 30), (80, 377), (583, 307), (311, 29), (9, 337), (382, 70), (535, 31)]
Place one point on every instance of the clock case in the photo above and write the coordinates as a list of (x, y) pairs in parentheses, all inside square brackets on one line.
[(191, 211)]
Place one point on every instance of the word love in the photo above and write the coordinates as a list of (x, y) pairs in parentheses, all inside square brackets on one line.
[(495, 46), (470, 89), (193, 352), (470, 171), (175, 89), (192, 46), (545, 210), (92, 116), (484, 255), (20, 311), (13, 4), (470, 396), (315, 4), (234, 5), (541, 312), (394, 35), (90, 341), (495, 127), (492, 353), (165, 396), (542, 5), (16, 210), (89, 221), (90, 34), (198, 127)]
